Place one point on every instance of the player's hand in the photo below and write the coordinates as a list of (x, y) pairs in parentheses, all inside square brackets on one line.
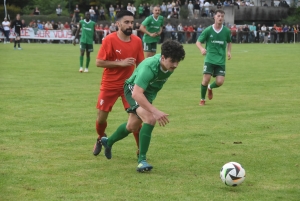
[(229, 55), (128, 62), (153, 34), (203, 51), (161, 117)]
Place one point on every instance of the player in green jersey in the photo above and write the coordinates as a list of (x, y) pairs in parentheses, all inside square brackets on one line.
[(86, 40), (217, 38), (152, 28), (140, 91)]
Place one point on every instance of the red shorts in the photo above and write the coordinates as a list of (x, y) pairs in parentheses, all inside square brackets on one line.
[(107, 99)]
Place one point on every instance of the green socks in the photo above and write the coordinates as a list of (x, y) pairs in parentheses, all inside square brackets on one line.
[(144, 141), (203, 91), (119, 134), (87, 62), (145, 137), (81, 61), (213, 85)]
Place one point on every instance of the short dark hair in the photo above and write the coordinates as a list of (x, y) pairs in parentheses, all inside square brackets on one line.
[(173, 49), (123, 13), (219, 11)]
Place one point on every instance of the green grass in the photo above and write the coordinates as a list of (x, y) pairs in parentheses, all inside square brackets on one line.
[(47, 129)]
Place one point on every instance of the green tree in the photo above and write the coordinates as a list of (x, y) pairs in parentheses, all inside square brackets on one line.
[(45, 9), (18, 3), (294, 17)]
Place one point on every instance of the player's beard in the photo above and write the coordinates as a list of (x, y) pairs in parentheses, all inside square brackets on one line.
[(127, 32)]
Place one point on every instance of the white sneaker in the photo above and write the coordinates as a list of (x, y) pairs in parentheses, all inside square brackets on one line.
[(86, 70), (80, 69)]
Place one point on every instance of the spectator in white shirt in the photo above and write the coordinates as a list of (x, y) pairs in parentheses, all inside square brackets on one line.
[(5, 25), (129, 7), (133, 10), (163, 9), (58, 10), (191, 10), (92, 13)]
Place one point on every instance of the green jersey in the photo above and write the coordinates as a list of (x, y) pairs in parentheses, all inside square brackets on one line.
[(87, 31), (152, 25), (141, 9), (216, 43), (150, 76)]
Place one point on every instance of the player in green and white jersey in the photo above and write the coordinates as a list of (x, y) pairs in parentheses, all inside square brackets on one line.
[(217, 38), (152, 28), (86, 40), (140, 91)]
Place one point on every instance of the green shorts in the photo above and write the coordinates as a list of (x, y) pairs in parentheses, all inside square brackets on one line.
[(133, 105), (87, 47), (150, 47), (213, 69)]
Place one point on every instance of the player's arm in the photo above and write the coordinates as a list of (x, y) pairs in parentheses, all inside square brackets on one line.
[(160, 30), (76, 34), (229, 51), (201, 48), (144, 30), (113, 64), (139, 97)]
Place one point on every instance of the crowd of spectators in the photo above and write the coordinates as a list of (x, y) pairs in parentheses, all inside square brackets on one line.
[(181, 32), (264, 34), (171, 9)]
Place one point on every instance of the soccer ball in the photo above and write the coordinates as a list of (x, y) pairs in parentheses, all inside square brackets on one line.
[(232, 174)]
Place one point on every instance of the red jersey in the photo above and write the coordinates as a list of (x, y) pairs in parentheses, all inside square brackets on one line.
[(114, 49)]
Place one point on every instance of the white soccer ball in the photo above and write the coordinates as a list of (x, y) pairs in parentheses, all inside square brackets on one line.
[(232, 174)]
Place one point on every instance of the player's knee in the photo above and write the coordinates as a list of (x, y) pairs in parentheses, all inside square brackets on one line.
[(150, 120), (219, 82), (205, 82), (132, 127), (101, 119)]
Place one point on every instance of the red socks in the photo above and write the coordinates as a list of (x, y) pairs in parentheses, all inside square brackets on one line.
[(136, 136), (100, 128)]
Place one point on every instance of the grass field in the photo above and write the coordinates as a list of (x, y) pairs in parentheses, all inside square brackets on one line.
[(47, 128)]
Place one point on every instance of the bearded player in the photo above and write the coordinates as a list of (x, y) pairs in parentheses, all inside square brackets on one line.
[(119, 54), (152, 28)]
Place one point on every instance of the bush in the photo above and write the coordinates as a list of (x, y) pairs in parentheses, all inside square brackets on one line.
[(12, 11), (184, 13), (45, 18)]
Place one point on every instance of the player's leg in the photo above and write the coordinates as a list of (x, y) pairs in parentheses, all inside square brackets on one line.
[(106, 100), (122, 131), (15, 41), (145, 138), (149, 49), (219, 73), (82, 50), (207, 72), (18, 41), (88, 58), (136, 132)]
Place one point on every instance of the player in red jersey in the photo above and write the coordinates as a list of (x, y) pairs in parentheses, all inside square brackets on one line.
[(119, 54)]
